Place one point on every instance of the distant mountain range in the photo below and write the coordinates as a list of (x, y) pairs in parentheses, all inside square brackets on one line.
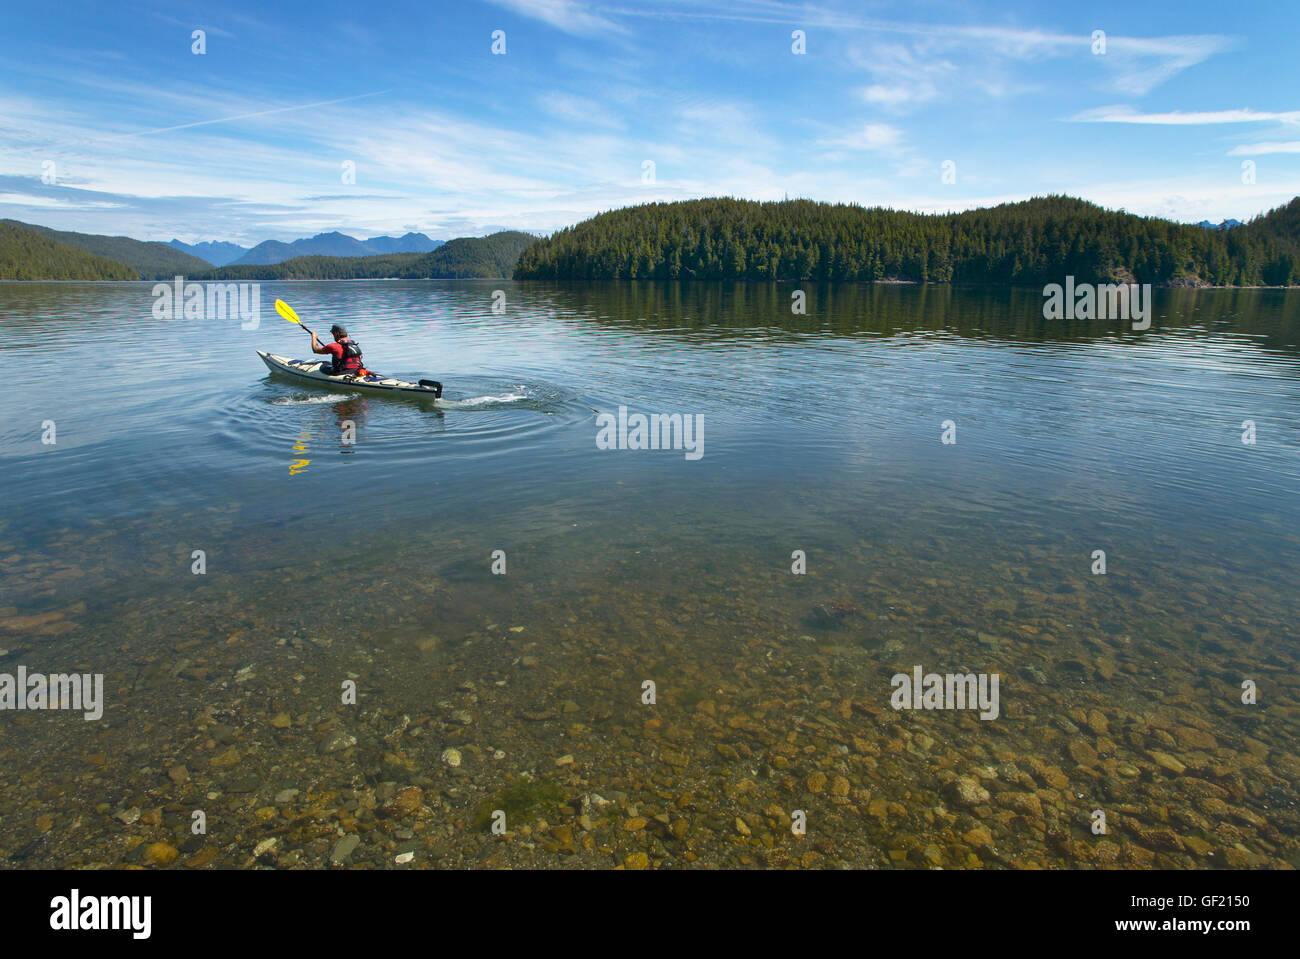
[(1219, 226), (218, 253), (30, 252), (494, 256), (271, 252)]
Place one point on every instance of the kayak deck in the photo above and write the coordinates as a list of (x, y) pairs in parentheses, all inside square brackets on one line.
[(311, 370)]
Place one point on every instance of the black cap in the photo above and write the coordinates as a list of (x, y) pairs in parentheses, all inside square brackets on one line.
[(339, 329)]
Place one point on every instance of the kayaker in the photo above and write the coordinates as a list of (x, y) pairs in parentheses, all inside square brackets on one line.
[(345, 355)]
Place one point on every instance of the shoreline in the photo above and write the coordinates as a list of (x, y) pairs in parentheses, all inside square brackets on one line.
[(819, 283)]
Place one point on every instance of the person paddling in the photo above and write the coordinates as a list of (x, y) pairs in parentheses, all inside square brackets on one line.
[(345, 358), (344, 354)]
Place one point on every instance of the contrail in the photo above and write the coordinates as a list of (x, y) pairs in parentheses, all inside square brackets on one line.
[(243, 116)]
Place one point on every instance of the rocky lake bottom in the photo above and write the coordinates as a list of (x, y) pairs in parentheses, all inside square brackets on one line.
[(772, 695)]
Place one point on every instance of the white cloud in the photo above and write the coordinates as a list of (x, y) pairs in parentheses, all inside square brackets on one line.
[(905, 76), (566, 15), (1260, 149), (1140, 64), (870, 138), (1125, 114)]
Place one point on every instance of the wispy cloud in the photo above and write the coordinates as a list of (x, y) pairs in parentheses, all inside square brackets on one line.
[(1134, 65), (579, 111), (1125, 114), (870, 138), (567, 15), (1140, 64), (247, 116), (1261, 149)]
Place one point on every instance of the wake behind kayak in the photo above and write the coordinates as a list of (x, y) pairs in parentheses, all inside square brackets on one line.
[(372, 383)]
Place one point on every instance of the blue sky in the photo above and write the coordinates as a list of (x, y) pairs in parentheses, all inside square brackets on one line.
[(248, 141)]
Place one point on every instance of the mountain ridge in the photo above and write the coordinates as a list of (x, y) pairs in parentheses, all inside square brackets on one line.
[(1031, 242), (489, 256), (150, 260)]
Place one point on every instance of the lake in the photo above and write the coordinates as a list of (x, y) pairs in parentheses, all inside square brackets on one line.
[(364, 631)]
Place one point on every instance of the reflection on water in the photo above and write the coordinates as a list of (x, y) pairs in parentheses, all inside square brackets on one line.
[(352, 537)]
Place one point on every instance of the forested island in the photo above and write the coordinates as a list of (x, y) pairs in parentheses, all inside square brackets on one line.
[(1033, 242)]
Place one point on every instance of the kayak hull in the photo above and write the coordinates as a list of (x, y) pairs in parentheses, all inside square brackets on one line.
[(310, 371)]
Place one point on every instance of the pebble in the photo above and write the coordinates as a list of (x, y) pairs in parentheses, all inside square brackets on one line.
[(160, 853), (178, 774), (336, 741), (965, 791), (407, 802), (1097, 722), (451, 757), (228, 758), (1082, 752), (402, 858), (1193, 739), (201, 858), (1168, 762), (285, 795), (345, 847)]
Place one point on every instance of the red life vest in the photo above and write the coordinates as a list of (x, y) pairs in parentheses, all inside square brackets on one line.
[(351, 359)]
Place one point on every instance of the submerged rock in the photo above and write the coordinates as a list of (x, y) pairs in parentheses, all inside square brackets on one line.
[(344, 848), (160, 854), (965, 791)]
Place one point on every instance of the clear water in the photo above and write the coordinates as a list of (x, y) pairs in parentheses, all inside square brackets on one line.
[(822, 433)]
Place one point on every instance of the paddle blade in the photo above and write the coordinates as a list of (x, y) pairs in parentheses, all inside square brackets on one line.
[(285, 310)]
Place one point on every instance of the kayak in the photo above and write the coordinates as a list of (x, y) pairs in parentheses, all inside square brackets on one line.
[(374, 383)]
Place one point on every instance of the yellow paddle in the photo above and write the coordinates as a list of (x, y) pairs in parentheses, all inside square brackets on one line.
[(285, 310)]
